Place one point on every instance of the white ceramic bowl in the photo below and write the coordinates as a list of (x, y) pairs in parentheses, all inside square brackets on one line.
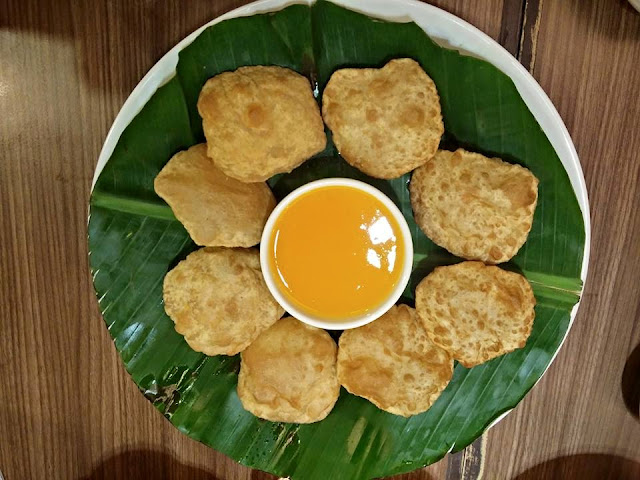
[(317, 321)]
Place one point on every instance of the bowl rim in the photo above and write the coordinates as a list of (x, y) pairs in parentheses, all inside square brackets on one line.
[(313, 320)]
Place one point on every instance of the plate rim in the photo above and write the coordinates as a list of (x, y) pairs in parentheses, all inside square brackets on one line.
[(487, 49)]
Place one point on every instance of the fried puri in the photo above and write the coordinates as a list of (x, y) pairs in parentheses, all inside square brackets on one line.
[(218, 300), (387, 121), (476, 312), (260, 121), (476, 207), (216, 210), (288, 374), (393, 363)]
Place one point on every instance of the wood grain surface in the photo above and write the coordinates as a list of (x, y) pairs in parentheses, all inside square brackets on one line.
[(68, 409)]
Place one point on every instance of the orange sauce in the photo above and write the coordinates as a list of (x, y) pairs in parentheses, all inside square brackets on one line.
[(336, 252)]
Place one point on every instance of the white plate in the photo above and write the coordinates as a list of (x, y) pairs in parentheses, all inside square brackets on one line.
[(448, 30)]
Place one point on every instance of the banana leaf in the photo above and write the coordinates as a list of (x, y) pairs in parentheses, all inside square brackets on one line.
[(134, 240)]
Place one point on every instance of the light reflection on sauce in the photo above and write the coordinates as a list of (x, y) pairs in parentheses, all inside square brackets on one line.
[(337, 252)]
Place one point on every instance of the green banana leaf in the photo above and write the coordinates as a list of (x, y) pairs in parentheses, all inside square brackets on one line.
[(134, 240)]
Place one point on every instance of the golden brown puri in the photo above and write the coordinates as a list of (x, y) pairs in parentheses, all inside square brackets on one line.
[(288, 374), (476, 312), (260, 121), (386, 121), (476, 207), (218, 299), (216, 210), (392, 363)]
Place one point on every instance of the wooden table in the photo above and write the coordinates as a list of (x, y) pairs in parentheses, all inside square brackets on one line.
[(69, 410)]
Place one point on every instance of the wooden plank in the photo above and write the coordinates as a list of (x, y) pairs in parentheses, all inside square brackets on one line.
[(529, 34), (574, 423), (469, 463), (511, 25), (490, 16), (69, 408)]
